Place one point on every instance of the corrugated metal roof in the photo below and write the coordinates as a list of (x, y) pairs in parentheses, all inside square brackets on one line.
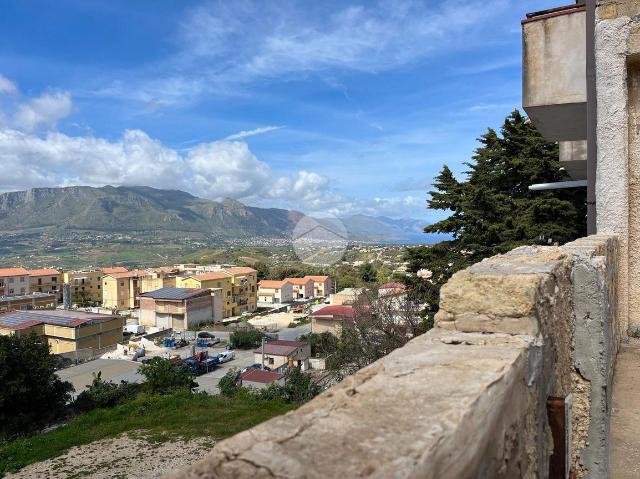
[(177, 294), (261, 376), (280, 347), (60, 317)]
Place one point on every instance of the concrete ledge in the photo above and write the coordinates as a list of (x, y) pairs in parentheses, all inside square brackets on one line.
[(445, 405)]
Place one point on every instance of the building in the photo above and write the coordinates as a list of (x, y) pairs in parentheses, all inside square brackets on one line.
[(259, 378), (244, 290), (281, 354), (46, 281), (14, 281), (322, 286), (120, 291), (331, 319), (347, 296), (86, 285), (28, 301), (214, 280), (270, 291), (153, 279), (65, 331), (180, 308), (303, 288)]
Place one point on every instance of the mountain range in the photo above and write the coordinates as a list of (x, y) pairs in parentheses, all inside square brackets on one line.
[(141, 209)]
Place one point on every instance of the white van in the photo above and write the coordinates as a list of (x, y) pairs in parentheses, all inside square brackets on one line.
[(134, 328), (226, 356)]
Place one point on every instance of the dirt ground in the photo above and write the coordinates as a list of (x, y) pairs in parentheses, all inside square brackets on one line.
[(123, 457)]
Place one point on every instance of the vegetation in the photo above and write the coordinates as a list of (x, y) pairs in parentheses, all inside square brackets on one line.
[(322, 344), (31, 395), (492, 210), (159, 417), (246, 339), (298, 388), (104, 394), (164, 377)]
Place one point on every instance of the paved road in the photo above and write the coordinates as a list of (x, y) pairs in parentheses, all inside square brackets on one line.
[(115, 370), (293, 333)]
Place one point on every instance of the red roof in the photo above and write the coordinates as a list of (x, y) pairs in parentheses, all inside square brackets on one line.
[(317, 278), (260, 376), (300, 281), (116, 269), (210, 276), (240, 270), (13, 272), (270, 283), (334, 311), (43, 272), (280, 347)]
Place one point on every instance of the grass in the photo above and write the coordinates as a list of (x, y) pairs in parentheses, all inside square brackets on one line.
[(161, 418)]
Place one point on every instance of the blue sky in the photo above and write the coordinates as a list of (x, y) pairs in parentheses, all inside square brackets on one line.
[(325, 107)]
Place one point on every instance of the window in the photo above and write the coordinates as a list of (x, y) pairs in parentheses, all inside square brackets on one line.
[(271, 361), (54, 279), (98, 286), (121, 284), (22, 279), (39, 280)]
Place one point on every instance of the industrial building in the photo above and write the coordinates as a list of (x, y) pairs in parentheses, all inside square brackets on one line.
[(65, 330), (180, 308)]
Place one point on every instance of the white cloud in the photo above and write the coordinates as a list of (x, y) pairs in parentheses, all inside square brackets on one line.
[(43, 111), (256, 131), (7, 86)]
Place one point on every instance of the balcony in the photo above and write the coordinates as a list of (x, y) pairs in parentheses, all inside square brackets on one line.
[(554, 86)]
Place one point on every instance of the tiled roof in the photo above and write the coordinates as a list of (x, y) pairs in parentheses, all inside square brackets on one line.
[(116, 269), (58, 317), (317, 278), (240, 270), (280, 347), (270, 283), (177, 294), (336, 311), (210, 276), (260, 376), (300, 281), (43, 272), (13, 272), (393, 286)]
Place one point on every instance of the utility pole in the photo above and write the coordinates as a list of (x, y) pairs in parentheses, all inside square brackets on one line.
[(262, 347)]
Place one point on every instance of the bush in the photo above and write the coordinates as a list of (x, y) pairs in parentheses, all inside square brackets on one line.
[(321, 344), (247, 339), (228, 384), (31, 395), (164, 377), (102, 394)]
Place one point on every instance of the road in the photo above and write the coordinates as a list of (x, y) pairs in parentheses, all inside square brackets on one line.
[(115, 370)]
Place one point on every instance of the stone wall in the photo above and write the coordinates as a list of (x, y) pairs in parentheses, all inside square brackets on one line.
[(469, 398)]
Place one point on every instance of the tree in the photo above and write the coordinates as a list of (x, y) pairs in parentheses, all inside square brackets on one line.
[(321, 344), (105, 394), (164, 377), (31, 395), (299, 386), (368, 273), (492, 210), (228, 384), (246, 339)]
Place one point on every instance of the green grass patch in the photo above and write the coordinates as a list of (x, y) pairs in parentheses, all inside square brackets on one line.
[(160, 418)]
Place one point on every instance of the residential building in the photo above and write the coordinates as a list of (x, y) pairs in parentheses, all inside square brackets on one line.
[(86, 285), (281, 354), (331, 319), (65, 330), (322, 286), (303, 288), (153, 279), (28, 301), (270, 291), (391, 289), (46, 281), (120, 291), (213, 280), (180, 308), (259, 378), (14, 281), (244, 290), (347, 296)]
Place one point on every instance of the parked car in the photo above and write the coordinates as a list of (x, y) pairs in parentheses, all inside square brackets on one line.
[(206, 334), (226, 356)]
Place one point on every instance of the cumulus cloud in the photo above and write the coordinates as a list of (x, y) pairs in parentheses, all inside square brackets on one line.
[(7, 86), (44, 111)]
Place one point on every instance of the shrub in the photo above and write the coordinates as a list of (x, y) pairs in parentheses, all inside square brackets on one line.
[(102, 394), (164, 377), (228, 384), (31, 395), (246, 339)]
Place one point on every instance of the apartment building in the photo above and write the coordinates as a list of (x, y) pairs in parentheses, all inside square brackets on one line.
[(65, 331), (322, 286), (214, 280), (14, 281), (46, 281), (270, 291), (86, 285), (303, 288)]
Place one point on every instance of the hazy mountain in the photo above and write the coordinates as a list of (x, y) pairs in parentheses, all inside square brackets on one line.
[(129, 209)]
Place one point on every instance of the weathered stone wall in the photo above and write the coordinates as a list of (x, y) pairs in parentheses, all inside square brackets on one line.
[(468, 399)]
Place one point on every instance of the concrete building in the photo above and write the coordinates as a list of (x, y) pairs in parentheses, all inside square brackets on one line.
[(46, 281), (157, 278), (270, 291), (120, 291), (347, 296), (14, 281), (280, 354), (303, 288), (322, 286), (180, 308), (244, 290), (86, 285), (331, 319), (259, 379), (28, 301), (214, 280), (65, 331)]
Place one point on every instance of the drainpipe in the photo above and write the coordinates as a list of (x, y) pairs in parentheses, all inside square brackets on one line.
[(592, 109)]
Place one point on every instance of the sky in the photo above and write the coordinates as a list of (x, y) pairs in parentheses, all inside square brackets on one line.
[(330, 108)]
